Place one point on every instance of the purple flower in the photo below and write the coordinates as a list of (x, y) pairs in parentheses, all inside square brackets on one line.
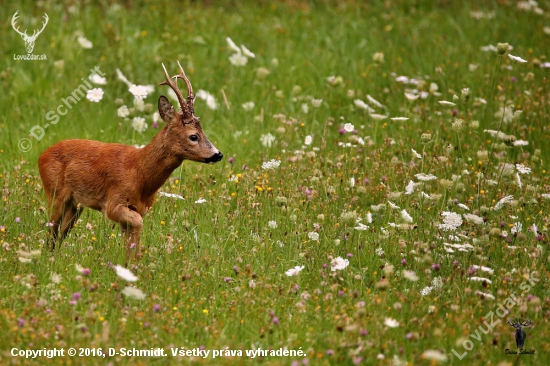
[(227, 279), (404, 262), (86, 271), (383, 178), (21, 322), (341, 293), (77, 296), (275, 320), (455, 263), (366, 181), (330, 352), (17, 219), (436, 266), (72, 302), (325, 265), (342, 131), (502, 224), (236, 269), (363, 332), (155, 125), (231, 160), (349, 255), (455, 112), (472, 270), (156, 308)]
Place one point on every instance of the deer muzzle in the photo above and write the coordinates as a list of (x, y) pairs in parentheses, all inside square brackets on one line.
[(214, 158)]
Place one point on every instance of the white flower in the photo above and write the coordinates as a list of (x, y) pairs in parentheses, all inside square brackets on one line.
[(426, 291), (123, 111), (378, 116), (463, 206), (349, 127), (138, 91), (247, 52), (399, 118), (270, 165), (411, 96), (483, 268), (521, 143), (200, 200), (393, 205), (313, 235), (95, 95), (444, 102), (523, 169), (316, 103), (232, 45), (406, 217), (391, 323), (435, 355), (84, 42), (502, 202), (484, 294), (361, 227), (473, 218), (248, 106), (379, 252), (417, 155), (139, 104), (294, 271), (480, 279), (451, 221), (171, 195), (238, 59), (352, 182), (96, 79), (362, 105), (410, 275), (375, 102), (55, 278), (211, 102), (338, 264), (369, 218), (133, 293), (516, 58), (123, 78), (308, 140), (425, 177), (138, 123), (267, 139), (518, 226), (305, 108), (125, 274), (272, 224)]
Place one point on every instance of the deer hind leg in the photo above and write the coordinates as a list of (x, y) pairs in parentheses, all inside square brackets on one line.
[(131, 223), (70, 216), (63, 217)]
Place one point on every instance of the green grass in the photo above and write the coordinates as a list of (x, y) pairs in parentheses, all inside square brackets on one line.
[(214, 272)]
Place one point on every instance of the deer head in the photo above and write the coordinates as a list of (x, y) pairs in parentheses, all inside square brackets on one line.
[(29, 40), (518, 324), (186, 137)]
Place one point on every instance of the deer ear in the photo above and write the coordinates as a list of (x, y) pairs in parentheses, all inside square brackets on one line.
[(166, 110)]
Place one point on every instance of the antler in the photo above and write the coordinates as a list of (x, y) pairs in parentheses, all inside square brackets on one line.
[(190, 95), (526, 323), (13, 21), (36, 33), (185, 108)]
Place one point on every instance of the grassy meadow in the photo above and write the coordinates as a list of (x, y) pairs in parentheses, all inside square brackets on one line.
[(383, 197)]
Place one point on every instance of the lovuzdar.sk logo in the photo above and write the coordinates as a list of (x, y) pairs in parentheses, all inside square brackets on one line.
[(29, 40), (521, 335)]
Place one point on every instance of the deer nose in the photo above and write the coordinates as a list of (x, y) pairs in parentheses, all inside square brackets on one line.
[(214, 158)]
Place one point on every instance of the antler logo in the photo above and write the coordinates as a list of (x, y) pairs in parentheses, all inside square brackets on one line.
[(520, 333), (29, 40)]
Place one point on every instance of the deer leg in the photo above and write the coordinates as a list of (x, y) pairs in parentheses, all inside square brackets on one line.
[(131, 223), (55, 221), (70, 216)]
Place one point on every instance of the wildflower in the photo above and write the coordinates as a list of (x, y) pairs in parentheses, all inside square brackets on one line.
[(451, 221), (138, 123), (247, 52), (308, 140), (410, 275), (378, 116), (484, 295), (391, 323), (378, 57), (211, 102), (200, 200), (473, 218), (520, 143), (96, 79), (77, 296), (335, 80), (238, 59), (434, 355), (516, 228), (417, 155), (55, 278), (502, 202), (399, 118), (316, 103), (411, 96), (352, 182), (272, 224), (523, 169), (138, 91), (338, 264), (248, 106), (393, 205), (95, 95), (84, 42), (267, 139), (133, 293), (362, 105), (480, 279), (463, 206), (313, 235), (444, 102), (425, 177), (171, 195), (379, 252), (426, 291), (375, 102), (294, 271), (123, 111), (270, 165), (406, 217), (125, 273), (516, 58), (232, 45), (349, 127)]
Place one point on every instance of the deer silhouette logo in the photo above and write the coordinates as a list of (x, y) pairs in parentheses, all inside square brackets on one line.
[(29, 40), (520, 333)]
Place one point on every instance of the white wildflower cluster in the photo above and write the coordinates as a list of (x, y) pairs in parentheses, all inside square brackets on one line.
[(241, 55), (451, 221), (473, 218), (437, 283), (270, 165), (210, 100), (127, 275), (502, 202), (338, 264), (425, 177), (267, 139), (294, 271)]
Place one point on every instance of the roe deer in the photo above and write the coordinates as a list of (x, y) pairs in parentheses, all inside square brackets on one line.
[(121, 181)]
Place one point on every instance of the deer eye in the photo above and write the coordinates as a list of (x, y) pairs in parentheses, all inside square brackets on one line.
[(194, 138)]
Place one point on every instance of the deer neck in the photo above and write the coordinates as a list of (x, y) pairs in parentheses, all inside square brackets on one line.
[(156, 162)]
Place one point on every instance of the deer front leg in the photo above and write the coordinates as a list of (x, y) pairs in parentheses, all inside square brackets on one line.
[(131, 223)]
